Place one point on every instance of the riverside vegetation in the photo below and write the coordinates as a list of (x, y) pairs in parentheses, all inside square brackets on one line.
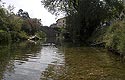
[(17, 27), (85, 22), (111, 37), (96, 22)]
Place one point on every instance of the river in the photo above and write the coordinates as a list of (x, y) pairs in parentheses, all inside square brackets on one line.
[(42, 61)]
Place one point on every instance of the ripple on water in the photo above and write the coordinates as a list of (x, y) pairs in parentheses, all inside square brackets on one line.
[(30, 64), (68, 63)]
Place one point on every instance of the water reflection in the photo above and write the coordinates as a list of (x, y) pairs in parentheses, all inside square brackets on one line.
[(26, 60), (85, 63), (38, 61)]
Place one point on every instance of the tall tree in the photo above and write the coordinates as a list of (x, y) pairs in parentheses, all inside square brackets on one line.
[(23, 14), (85, 15)]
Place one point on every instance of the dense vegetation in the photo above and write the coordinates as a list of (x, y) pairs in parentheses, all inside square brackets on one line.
[(16, 27), (83, 16), (111, 37), (100, 22)]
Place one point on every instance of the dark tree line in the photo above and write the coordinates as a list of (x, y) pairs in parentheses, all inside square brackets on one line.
[(84, 16)]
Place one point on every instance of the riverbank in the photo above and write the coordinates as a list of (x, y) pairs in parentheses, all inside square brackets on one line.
[(111, 37)]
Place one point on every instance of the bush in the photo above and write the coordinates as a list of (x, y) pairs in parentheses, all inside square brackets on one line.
[(41, 34), (23, 35), (113, 36), (5, 36)]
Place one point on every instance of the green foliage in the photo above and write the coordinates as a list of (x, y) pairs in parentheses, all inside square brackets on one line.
[(113, 36), (2, 31), (16, 27), (85, 15), (26, 27), (15, 23), (41, 34), (23, 35), (3, 19), (4, 37)]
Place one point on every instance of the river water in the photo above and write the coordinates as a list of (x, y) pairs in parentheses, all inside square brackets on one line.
[(42, 61)]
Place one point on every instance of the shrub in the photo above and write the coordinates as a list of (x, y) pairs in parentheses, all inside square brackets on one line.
[(41, 34), (113, 36)]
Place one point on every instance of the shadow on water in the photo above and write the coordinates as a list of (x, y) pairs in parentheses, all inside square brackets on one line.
[(50, 61)]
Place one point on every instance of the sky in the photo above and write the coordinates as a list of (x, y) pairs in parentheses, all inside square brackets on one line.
[(35, 10)]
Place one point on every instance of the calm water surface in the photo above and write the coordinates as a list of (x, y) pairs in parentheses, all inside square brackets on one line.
[(37, 61)]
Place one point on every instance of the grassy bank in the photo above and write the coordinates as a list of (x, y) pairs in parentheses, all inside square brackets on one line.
[(111, 37)]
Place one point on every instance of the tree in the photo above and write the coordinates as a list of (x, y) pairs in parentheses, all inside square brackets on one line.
[(56, 6), (23, 14), (10, 9), (85, 15), (19, 13), (3, 19)]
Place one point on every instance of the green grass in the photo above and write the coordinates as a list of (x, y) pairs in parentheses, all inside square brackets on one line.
[(113, 36)]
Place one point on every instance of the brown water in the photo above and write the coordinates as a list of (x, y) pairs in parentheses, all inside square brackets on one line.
[(37, 61)]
